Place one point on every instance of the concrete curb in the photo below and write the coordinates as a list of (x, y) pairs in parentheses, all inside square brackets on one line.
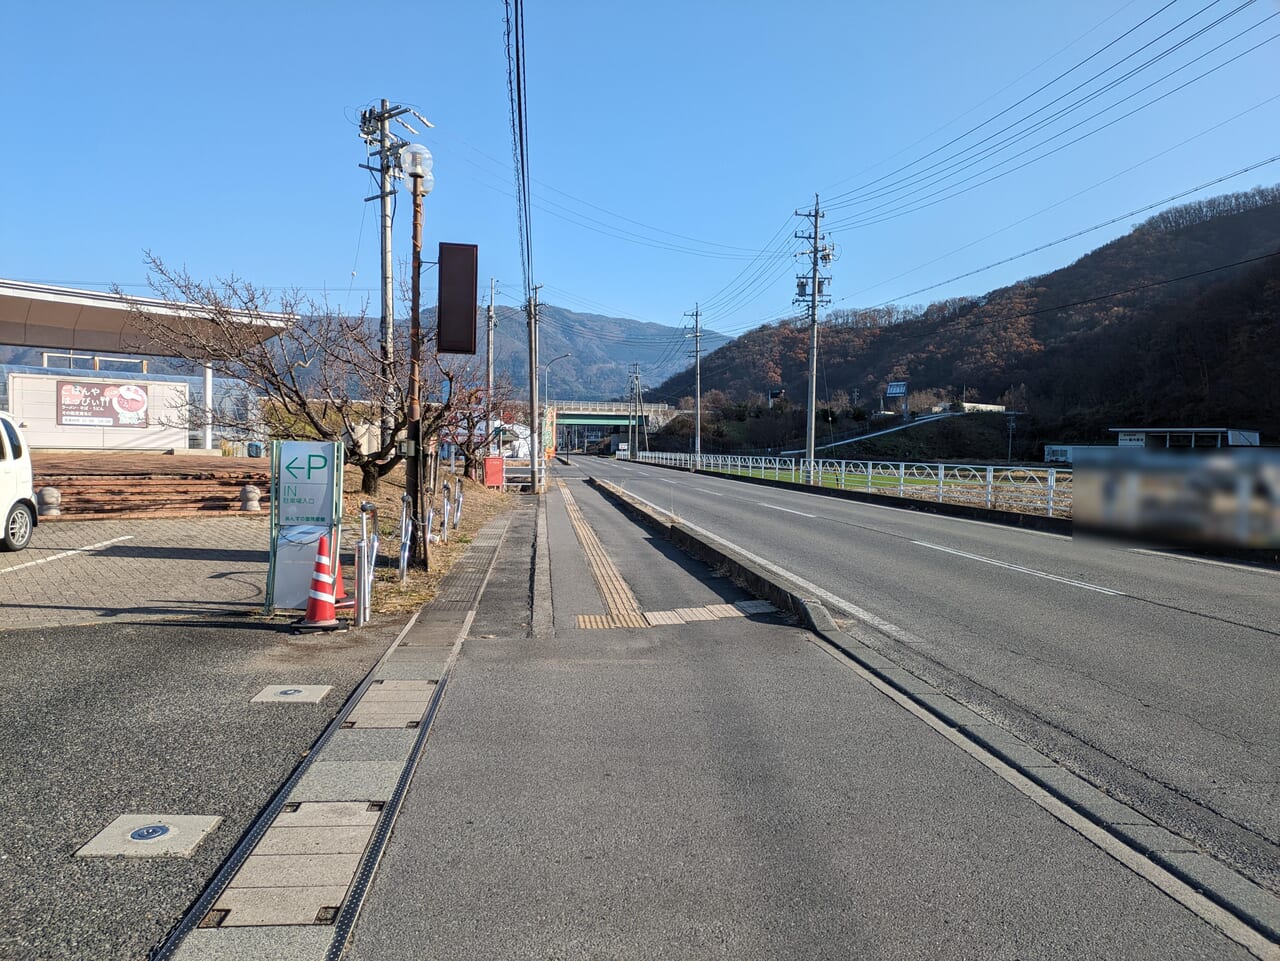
[(541, 616), (1231, 891)]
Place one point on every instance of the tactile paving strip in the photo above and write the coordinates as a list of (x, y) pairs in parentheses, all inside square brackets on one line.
[(623, 608)]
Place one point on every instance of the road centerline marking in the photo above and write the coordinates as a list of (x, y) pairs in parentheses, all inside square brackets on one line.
[(1084, 585), (70, 553)]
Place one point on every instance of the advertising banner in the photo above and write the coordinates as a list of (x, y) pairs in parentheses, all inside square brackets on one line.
[(89, 404)]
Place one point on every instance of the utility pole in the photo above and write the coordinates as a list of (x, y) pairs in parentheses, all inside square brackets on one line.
[(413, 467), (813, 290), (535, 436), (488, 374), (697, 389), (642, 423), (382, 143), (633, 411)]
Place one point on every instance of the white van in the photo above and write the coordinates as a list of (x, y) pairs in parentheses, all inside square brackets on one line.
[(17, 493)]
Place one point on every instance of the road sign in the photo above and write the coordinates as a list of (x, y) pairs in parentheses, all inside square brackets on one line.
[(306, 502), (304, 487), (897, 388)]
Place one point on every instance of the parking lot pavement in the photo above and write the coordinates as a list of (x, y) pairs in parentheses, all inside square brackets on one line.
[(92, 572), (151, 719)]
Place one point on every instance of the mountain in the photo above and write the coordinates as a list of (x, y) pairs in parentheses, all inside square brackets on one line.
[(1173, 324), (602, 350)]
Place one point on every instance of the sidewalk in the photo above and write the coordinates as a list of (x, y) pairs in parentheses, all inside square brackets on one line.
[(662, 768)]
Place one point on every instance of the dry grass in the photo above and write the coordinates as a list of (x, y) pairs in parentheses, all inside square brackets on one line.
[(480, 505)]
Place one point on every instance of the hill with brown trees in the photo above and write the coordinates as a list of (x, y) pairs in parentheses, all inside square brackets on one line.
[(1176, 323)]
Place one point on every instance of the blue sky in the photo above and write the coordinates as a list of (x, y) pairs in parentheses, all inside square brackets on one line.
[(669, 141)]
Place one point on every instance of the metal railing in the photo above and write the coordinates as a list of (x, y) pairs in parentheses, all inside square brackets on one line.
[(1023, 490), (604, 406)]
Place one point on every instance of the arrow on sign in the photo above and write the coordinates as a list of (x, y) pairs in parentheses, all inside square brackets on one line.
[(290, 468)]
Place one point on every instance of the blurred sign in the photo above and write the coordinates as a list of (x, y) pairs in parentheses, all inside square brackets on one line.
[(1223, 497), (89, 404), (896, 389)]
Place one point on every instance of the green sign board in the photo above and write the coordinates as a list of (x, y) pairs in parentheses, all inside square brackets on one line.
[(305, 483), (306, 501)]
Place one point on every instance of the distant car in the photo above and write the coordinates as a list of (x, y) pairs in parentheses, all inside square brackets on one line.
[(17, 492)]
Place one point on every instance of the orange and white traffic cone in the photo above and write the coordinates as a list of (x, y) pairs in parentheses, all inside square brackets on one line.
[(340, 599), (320, 610)]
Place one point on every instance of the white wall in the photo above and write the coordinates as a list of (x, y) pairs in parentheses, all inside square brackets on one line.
[(33, 399)]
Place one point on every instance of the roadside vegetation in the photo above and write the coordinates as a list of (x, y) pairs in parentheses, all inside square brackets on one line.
[(390, 597)]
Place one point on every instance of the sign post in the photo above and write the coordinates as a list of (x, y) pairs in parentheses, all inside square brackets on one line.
[(306, 502)]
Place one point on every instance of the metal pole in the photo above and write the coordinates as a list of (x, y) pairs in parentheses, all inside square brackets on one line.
[(813, 344), (385, 185), (488, 376), (413, 467), (697, 393), (534, 436)]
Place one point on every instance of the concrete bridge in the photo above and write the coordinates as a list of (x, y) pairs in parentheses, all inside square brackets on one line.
[(583, 421)]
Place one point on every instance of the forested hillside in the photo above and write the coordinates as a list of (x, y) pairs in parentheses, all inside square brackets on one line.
[(1174, 323)]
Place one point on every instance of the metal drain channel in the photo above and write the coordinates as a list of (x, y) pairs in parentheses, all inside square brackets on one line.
[(373, 853), (241, 851), (354, 900)]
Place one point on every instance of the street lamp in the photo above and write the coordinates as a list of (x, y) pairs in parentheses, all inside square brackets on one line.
[(416, 162), (546, 377)]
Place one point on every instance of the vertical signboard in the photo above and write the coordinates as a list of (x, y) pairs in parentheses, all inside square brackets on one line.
[(306, 503), (458, 269)]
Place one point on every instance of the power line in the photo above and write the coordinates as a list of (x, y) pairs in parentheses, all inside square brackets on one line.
[(839, 200), (1081, 233), (865, 219), (1068, 199)]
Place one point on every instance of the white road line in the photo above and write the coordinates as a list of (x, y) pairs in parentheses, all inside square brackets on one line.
[(775, 507), (1024, 570), (705, 491), (54, 557)]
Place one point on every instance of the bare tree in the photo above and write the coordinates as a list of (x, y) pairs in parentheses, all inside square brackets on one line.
[(466, 424), (315, 373)]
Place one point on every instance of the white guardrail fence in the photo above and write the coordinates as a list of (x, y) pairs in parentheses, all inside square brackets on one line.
[(1024, 490)]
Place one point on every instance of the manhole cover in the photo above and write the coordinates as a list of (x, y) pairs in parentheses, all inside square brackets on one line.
[(148, 832)]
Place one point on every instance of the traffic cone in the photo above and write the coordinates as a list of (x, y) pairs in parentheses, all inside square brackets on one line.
[(320, 611), (340, 599)]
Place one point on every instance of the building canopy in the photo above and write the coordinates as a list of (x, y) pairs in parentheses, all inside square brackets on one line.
[(39, 315)]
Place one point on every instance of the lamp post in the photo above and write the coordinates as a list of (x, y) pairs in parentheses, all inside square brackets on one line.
[(546, 376), (416, 161)]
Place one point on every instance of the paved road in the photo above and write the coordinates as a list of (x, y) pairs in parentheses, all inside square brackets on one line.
[(1155, 676), (719, 788)]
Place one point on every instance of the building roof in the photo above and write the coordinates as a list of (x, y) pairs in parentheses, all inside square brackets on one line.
[(1175, 430), (40, 315)]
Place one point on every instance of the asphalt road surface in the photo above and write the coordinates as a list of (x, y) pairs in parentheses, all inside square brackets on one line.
[(1154, 675), (721, 788)]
